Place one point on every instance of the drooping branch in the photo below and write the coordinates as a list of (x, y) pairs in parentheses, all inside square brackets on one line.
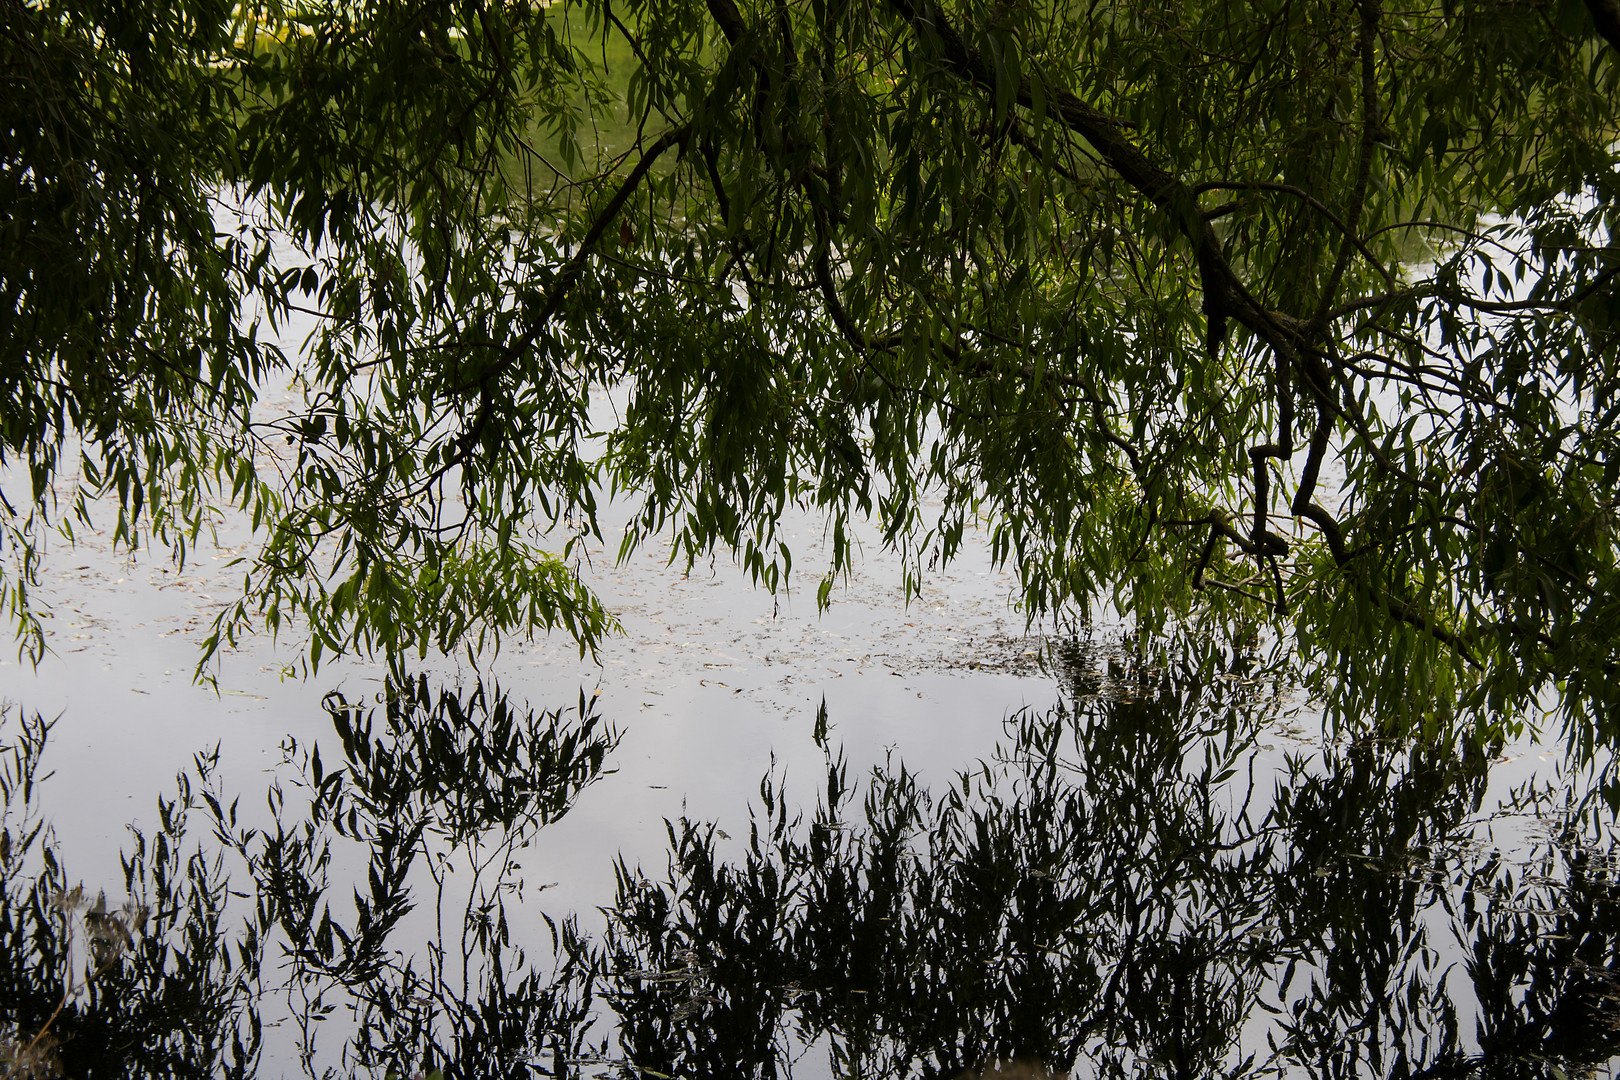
[(1370, 129), (1313, 462), (729, 18), (1225, 294), (560, 287), (1397, 608), (1350, 236), (572, 270)]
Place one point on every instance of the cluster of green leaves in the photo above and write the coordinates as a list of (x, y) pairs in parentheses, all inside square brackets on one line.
[(1182, 302), (1292, 313), (122, 362), (181, 182)]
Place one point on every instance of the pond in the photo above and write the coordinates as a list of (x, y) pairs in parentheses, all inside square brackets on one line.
[(750, 840)]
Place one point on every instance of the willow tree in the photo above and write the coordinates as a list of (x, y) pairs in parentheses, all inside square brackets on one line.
[(1294, 313)]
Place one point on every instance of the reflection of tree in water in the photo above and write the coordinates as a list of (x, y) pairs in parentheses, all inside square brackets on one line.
[(169, 996), (1128, 891), (435, 794), (1138, 885)]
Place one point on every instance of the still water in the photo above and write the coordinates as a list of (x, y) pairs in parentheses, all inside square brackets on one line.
[(750, 840)]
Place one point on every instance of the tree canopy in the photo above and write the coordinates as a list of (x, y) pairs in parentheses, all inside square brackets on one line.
[(1290, 312)]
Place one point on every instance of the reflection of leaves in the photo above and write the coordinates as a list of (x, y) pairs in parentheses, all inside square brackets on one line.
[(462, 765), (149, 988), (179, 984), (434, 784), (1119, 892), (1122, 891), (1015, 916), (433, 776)]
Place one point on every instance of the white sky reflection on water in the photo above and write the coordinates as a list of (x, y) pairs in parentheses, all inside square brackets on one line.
[(711, 677)]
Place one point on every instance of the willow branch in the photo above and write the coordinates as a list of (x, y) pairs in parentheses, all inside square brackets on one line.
[(1369, 144)]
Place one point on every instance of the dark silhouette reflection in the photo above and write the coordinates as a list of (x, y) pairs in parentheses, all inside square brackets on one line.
[(1140, 884), (367, 920), (1159, 878), (148, 988), (450, 785)]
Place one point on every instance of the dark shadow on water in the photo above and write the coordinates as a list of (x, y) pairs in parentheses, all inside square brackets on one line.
[(1153, 879)]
